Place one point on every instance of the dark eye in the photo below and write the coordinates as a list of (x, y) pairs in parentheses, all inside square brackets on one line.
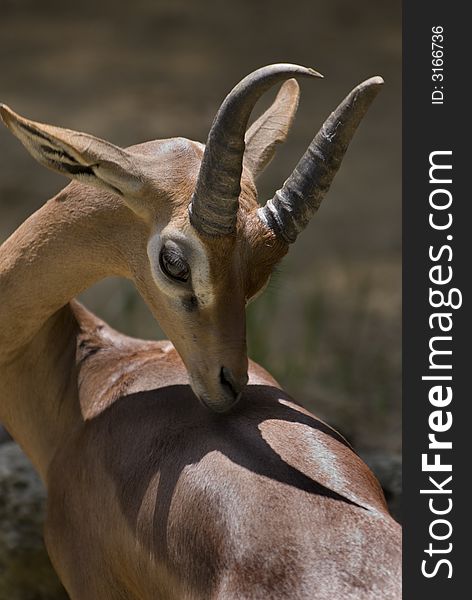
[(173, 264)]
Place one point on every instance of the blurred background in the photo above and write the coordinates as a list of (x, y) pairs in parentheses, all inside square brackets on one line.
[(329, 326)]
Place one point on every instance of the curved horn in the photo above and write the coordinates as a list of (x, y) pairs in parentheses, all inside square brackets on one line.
[(214, 204), (292, 207)]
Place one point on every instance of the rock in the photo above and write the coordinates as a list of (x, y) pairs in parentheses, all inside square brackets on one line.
[(4, 435), (25, 570)]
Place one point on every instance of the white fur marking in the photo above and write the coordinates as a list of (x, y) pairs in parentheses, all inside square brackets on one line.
[(197, 258)]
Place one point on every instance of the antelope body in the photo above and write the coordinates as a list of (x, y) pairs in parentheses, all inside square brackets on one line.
[(151, 493)]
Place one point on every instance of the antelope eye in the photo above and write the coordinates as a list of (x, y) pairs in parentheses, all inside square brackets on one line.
[(173, 264)]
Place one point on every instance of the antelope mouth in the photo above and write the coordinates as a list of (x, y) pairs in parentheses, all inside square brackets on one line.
[(225, 397), (221, 392)]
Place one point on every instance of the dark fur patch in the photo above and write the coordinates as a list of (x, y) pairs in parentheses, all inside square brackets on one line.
[(190, 303), (34, 131), (73, 170), (77, 169), (58, 153)]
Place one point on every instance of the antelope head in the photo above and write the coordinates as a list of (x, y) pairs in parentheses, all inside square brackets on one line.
[(210, 246)]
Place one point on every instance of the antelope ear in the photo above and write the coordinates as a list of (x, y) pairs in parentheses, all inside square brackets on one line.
[(271, 128), (79, 156)]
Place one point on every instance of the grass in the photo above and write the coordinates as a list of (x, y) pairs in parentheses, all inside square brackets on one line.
[(336, 348)]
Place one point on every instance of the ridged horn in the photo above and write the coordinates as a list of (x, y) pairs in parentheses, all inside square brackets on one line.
[(214, 205), (292, 207)]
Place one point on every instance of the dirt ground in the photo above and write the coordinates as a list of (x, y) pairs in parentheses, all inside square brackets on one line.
[(329, 327)]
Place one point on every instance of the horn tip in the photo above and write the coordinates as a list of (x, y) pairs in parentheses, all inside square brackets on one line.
[(369, 88), (314, 73), (376, 81)]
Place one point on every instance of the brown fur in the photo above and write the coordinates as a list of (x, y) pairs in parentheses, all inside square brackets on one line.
[(151, 495), (172, 501)]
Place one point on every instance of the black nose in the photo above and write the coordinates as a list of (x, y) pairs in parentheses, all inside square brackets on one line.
[(231, 383)]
